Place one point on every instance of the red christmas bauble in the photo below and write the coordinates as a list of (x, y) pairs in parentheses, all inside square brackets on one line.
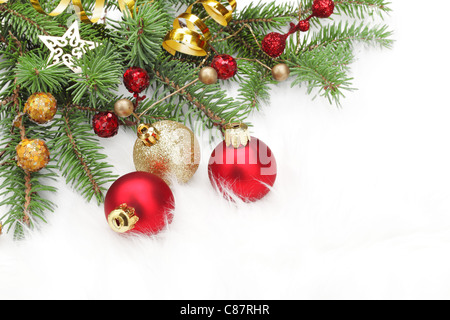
[(303, 25), (323, 8), (105, 124), (147, 195), (274, 44), (225, 65), (247, 171), (136, 79)]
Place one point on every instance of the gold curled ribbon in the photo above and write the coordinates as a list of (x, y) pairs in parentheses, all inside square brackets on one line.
[(62, 6), (186, 38), (96, 14), (126, 6)]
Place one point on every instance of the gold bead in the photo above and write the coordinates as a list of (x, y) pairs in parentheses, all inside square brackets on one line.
[(281, 72), (208, 75), (123, 108)]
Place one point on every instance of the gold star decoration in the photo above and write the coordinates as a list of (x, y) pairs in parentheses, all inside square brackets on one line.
[(70, 39)]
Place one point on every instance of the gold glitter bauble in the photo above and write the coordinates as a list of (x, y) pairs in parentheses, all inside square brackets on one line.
[(123, 108), (281, 72), (32, 155), (41, 107), (176, 154)]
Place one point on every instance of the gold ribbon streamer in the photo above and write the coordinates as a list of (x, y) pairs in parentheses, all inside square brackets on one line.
[(187, 39), (126, 6), (96, 14), (62, 6)]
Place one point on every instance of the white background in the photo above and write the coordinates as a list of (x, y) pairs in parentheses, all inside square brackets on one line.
[(360, 209)]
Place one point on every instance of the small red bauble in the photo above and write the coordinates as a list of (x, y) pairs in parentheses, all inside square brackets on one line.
[(248, 171), (303, 25), (225, 65), (136, 79), (274, 44), (139, 202), (105, 124), (323, 8)]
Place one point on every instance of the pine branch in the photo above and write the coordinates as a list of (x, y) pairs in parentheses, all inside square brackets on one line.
[(23, 192), (26, 23), (78, 155), (34, 73), (100, 76), (266, 16), (254, 86), (325, 70), (215, 119), (347, 34), (209, 104), (362, 8), (141, 35)]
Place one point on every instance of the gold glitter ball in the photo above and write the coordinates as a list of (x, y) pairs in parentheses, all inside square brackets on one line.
[(41, 107), (175, 156), (32, 155)]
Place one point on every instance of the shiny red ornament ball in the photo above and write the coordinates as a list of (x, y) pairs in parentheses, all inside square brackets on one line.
[(136, 79), (323, 8), (248, 171), (225, 65), (274, 44), (105, 124), (148, 195)]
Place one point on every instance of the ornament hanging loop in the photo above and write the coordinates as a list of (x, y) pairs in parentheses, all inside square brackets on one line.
[(236, 134), (123, 219), (148, 134)]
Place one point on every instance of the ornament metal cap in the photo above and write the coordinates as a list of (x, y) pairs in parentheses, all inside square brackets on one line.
[(122, 219), (236, 134), (148, 134)]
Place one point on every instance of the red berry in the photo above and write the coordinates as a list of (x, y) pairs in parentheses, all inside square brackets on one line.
[(105, 124), (323, 8), (136, 79), (303, 25), (225, 65), (274, 44)]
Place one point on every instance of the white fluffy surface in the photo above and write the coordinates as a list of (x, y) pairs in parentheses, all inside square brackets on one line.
[(360, 209)]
